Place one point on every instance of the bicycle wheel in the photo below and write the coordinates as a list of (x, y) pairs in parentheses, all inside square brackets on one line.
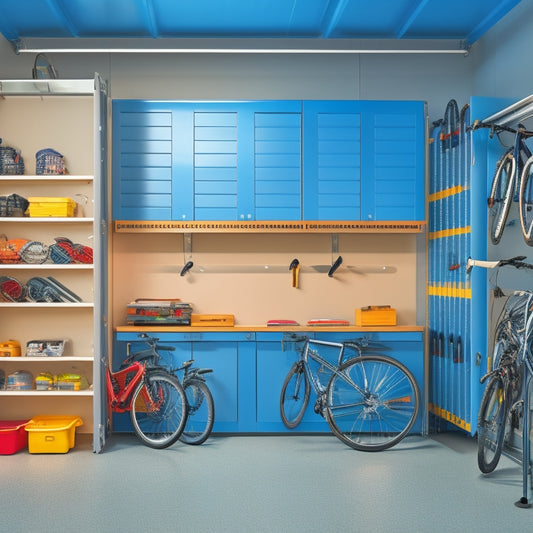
[(491, 425), (501, 195), (200, 412), (526, 202), (372, 402), (294, 395), (159, 409)]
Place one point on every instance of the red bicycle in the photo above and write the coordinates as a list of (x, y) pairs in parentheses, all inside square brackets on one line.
[(155, 399)]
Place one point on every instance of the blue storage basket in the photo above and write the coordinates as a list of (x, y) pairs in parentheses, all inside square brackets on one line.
[(48, 161)]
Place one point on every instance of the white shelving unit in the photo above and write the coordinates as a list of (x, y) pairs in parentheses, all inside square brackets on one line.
[(69, 116)]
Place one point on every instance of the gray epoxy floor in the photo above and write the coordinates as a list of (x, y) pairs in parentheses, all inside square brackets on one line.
[(257, 484)]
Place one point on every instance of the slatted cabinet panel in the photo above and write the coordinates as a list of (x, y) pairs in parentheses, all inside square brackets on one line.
[(268, 160), (143, 171), (393, 159), (277, 166), (215, 165), (363, 160), (332, 161)]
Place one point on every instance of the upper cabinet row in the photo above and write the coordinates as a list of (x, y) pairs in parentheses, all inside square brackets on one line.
[(268, 160)]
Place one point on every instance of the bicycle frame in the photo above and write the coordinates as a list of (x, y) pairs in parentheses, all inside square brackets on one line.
[(306, 352), (120, 386)]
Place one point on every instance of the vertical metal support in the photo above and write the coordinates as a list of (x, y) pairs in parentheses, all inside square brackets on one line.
[(334, 247), (526, 443), (187, 247)]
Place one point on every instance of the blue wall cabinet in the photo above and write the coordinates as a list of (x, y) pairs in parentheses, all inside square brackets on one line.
[(206, 160), (249, 369), (363, 160), (351, 160), (229, 355)]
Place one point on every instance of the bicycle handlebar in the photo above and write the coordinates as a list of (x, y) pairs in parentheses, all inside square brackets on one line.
[(497, 128), (517, 262)]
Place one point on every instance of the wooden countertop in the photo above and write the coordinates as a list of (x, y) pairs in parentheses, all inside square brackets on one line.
[(190, 329)]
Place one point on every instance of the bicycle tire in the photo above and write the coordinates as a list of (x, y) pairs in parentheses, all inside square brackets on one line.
[(291, 402), (501, 195), (525, 199), (162, 425), (491, 425), (372, 402), (200, 412)]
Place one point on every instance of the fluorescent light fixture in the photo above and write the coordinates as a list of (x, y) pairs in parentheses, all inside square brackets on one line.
[(230, 51), (237, 46)]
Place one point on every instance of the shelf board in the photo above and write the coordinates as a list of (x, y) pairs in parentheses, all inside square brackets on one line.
[(47, 266), (48, 177), (29, 220), (65, 359), (26, 305), (46, 393), (269, 226)]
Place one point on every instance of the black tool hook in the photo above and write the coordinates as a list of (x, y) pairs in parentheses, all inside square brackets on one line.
[(188, 265), (335, 266)]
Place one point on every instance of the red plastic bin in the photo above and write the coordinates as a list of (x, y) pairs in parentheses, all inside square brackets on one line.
[(13, 436)]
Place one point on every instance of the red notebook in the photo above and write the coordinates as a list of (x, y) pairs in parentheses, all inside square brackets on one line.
[(327, 322), (282, 323)]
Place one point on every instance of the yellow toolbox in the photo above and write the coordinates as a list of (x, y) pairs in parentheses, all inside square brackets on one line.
[(51, 207), (375, 315), (212, 320), (10, 348), (52, 433)]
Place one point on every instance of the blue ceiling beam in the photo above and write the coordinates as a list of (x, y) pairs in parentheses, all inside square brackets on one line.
[(503, 7), (334, 18), (410, 18), (147, 8), (58, 9), (5, 28)]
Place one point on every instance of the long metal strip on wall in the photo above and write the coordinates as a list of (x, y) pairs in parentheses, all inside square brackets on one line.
[(449, 291)]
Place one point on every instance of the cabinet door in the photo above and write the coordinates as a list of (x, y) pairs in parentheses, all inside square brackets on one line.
[(277, 161), (332, 160), (393, 161), (247, 161), (142, 160), (232, 358), (206, 160), (273, 364), (405, 347), (363, 160)]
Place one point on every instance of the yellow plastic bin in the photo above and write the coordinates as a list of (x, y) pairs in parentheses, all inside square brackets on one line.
[(51, 207), (52, 433)]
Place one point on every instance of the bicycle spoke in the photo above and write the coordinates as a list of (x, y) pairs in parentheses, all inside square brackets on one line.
[(380, 410)]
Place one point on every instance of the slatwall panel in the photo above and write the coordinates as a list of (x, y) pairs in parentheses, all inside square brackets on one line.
[(145, 168), (277, 166), (339, 166), (395, 166), (449, 289), (215, 166)]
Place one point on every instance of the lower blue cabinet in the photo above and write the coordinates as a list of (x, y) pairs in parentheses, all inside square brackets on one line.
[(249, 369)]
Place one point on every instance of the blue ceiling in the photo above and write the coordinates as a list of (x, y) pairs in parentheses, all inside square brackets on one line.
[(463, 20)]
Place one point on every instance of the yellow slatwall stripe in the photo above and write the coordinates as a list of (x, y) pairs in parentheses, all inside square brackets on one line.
[(449, 417), (448, 232), (439, 195), (450, 291)]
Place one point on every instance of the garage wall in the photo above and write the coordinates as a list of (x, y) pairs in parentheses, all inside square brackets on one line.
[(435, 78), (501, 59)]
